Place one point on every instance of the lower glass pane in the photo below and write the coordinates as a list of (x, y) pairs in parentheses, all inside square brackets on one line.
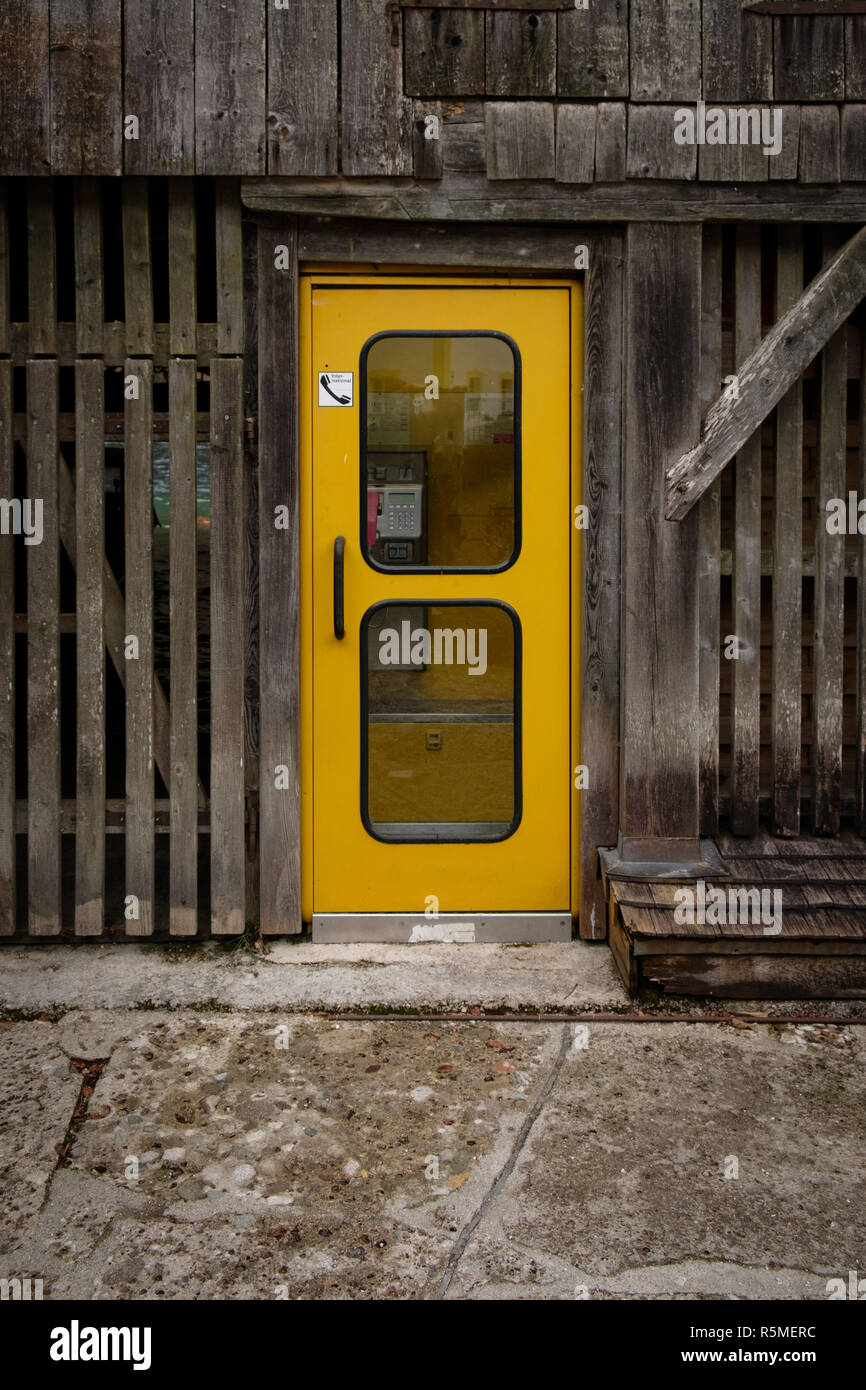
[(441, 726)]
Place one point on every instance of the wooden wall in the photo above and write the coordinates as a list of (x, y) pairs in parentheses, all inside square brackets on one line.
[(543, 91)]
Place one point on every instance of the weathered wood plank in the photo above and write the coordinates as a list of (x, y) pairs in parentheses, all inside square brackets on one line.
[(819, 144), (229, 267), (853, 144), (181, 267), (137, 286), (251, 565), (855, 56), (376, 116), (733, 163), (89, 321), (43, 660), (183, 641), (367, 243), (428, 143), (709, 522), (787, 564), (520, 54), (443, 53), (602, 494), (785, 164), (159, 87), (829, 585), (90, 648), (860, 775), (85, 77), (658, 718), (809, 58), (230, 103), (485, 4), (139, 671), (575, 143), (737, 53), (302, 88), (7, 668), (5, 335), (768, 373), (25, 88), (279, 582), (592, 50), (746, 579), (228, 858), (520, 140), (665, 50), (652, 152), (41, 266), (790, 7), (610, 136)]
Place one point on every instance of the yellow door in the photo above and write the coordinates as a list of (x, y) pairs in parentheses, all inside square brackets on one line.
[(437, 480)]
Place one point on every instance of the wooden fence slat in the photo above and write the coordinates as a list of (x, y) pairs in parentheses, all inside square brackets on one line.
[(137, 288), (41, 266), (376, 116), (138, 540), (737, 53), (520, 54), (230, 105), (860, 788), (809, 58), (228, 857), (665, 50), (829, 584), (89, 312), (183, 644), (302, 88), (787, 564), (181, 267), (229, 268), (251, 563), (521, 139), (5, 335), (592, 50), (279, 582), (602, 494), (7, 668), (746, 571), (90, 648), (25, 91), (85, 76), (159, 87), (43, 659), (709, 538), (443, 53)]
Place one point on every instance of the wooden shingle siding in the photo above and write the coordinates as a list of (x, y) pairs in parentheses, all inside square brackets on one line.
[(855, 57), (520, 58), (25, 90), (159, 87), (85, 71), (444, 52), (575, 143), (610, 142), (652, 152), (853, 144), (520, 140), (819, 144), (665, 50), (809, 58), (230, 105), (376, 116), (302, 88), (737, 53), (592, 50)]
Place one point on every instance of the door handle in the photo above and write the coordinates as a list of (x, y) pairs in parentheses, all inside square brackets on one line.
[(339, 615)]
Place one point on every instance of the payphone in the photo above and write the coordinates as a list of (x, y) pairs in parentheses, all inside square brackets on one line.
[(396, 506)]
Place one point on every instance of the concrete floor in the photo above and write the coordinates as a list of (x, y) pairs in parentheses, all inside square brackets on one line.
[(250, 1150)]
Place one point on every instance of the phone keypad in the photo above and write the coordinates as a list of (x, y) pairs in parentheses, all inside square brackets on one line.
[(400, 518)]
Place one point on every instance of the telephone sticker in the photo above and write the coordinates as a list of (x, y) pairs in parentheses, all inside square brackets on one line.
[(335, 388)]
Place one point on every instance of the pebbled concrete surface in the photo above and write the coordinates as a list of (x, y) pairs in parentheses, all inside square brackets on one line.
[(266, 1155)]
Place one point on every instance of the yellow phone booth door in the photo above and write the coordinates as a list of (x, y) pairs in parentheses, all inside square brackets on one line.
[(439, 574)]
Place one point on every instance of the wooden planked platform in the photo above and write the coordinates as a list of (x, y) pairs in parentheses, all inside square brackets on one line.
[(815, 949)]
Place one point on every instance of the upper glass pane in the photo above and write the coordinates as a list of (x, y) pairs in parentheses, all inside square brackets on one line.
[(440, 447)]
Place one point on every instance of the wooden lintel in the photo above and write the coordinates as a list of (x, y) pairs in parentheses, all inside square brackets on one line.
[(768, 372), (805, 6)]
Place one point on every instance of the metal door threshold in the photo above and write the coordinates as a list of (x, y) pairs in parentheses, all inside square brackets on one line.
[(449, 928)]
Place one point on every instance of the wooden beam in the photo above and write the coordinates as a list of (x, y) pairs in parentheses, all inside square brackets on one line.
[(806, 6), (769, 372)]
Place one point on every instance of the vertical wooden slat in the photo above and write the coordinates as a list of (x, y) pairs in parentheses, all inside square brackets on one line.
[(229, 268), (230, 87), (181, 267), (592, 50), (85, 72), (829, 583), (43, 658), (737, 53), (138, 536), (709, 521), (228, 860), (665, 50), (602, 494), (746, 564), (7, 667), (279, 580), (41, 261), (860, 790), (89, 312), (4, 268), (251, 565), (159, 87), (183, 647), (808, 58), (376, 116), (137, 288), (443, 52), (25, 92), (90, 627), (520, 54), (302, 88), (788, 564)]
